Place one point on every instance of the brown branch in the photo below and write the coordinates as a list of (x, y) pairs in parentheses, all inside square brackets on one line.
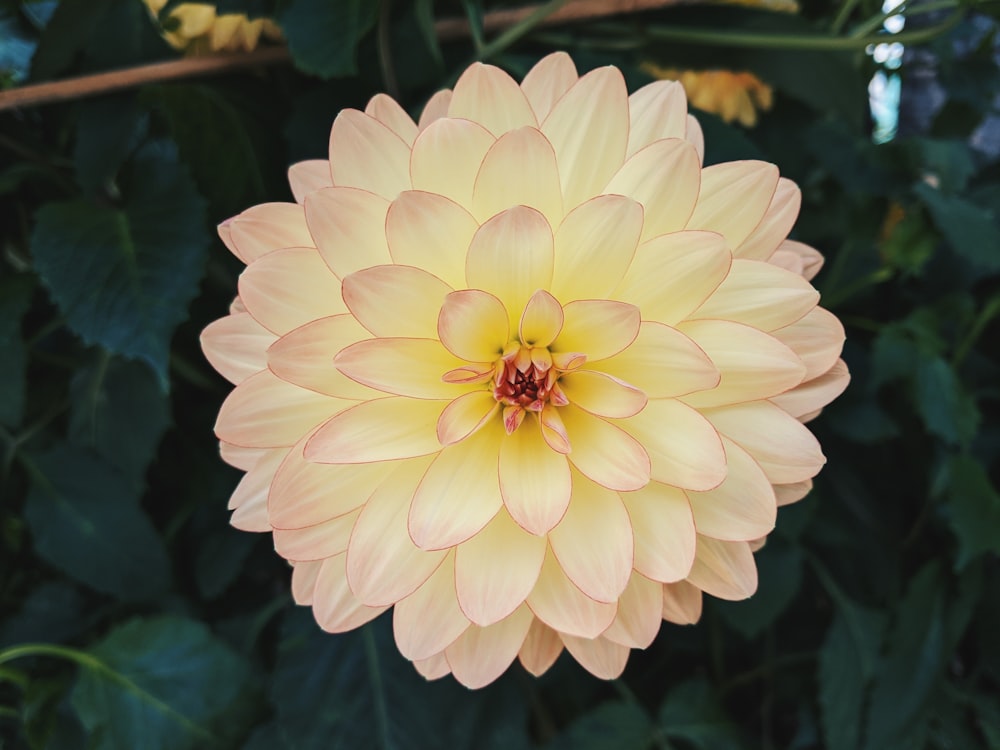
[(446, 29)]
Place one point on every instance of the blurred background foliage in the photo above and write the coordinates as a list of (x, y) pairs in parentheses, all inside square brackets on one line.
[(151, 623)]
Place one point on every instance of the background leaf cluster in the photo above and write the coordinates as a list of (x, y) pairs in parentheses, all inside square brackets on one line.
[(156, 625)]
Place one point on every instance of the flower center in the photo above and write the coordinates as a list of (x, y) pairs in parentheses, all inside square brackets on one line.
[(526, 380)]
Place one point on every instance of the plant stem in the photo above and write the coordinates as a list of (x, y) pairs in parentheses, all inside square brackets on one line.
[(842, 15), (519, 29)]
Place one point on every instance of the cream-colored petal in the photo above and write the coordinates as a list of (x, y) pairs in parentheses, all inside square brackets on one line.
[(816, 393), (387, 111), (460, 493), (402, 367), (664, 531), (733, 198), (496, 570), (519, 169), (398, 301), (466, 415), (241, 457), (588, 156), (435, 109), (792, 493), (511, 257), (317, 542), (775, 225), (541, 648), (604, 452), (304, 357), (547, 81), (304, 576), (366, 154), (785, 450), (682, 603), (461, 145), (265, 285), (599, 656), (251, 516), (266, 412), (334, 606), (600, 572), (597, 328), (383, 564), (761, 295), (534, 480), (541, 320), (799, 258), (725, 570), (265, 228), (743, 507), (662, 363), (664, 178), (817, 338), (603, 395), (684, 448), (482, 654), (433, 668), (431, 232), (594, 246), (640, 612), (657, 110), (487, 95), (254, 485), (236, 346), (429, 620), (308, 176), (349, 228), (558, 603), (695, 136), (385, 429), (673, 274), (553, 430), (474, 325)]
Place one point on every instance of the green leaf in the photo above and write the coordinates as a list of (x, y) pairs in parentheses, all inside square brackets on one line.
[(221, 558), (124, 277), (611, 726), (15, 295), (323, 36), (16, 50), (779, 565), (690, 712), (946, 409), (163, 682), (947, 161), (975, 509), (85, 520), (52, 612), (107, 131), (971, 230), (66, 34), (910, 245)]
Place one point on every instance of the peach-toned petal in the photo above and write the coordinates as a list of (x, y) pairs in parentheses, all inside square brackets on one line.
[(349, 228), (465, 415), (599, 656), (235, 346), (435, 109), (304, 357), (695, 136), (798, 258), (396, 300), (640, 612), (519, 169), (481, 654), (664, 531), (603, 452), (366, 154), (431, 232), (597, 328), (792, 493), (775, 225), (474, 325), (657, 110), (547, 81), (461, 145), (429, 620), (541, 648), (816, 393), (433, 668), (534, 480), (594, 246), (317, 542), (334, 606), (385, 109), (733, 198), (724, 569), (553, 430), (402, 367), (817, 338), (385, 429), (541, 320), (487, 95), (251, 516), (254, 486), (309, 176), (603, 395), (241, 457), (674, 274), (682, 603), (265, 228), (558, 603), (588, 156), (304, 576)]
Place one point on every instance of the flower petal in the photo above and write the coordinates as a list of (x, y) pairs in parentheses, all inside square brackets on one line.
[(429, 620), (235, 346), (265, 228), (695, 136), (385, 109), (598, 328), (640, 612), (541, 648), (403, 367), (465, 415), (817, 338), (682, 603), (664, 531), (816, 393), (240, 457), (487, 95), (534, 480), (334, 606), (435, 109), (254, 486), (601, 394), (558, 603), (733, 198), (519, 169), (317, 542), (309, 176), (304, 575), (474, 325), (599, 656), (603, 452), (775, 225), (461, 145), (366, 154), (480, 655), (541, 320), (798, 258), (431, 232), (725, 570), (349, 227), (792, 493), (433, 668), (396, 300), (657, 110), (547, 81)]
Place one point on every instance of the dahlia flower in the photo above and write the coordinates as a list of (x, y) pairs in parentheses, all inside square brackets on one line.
[(198, 29), (523, 371), (732, 96)]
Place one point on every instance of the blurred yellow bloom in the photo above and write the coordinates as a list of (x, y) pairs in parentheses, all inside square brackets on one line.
[(732, 96), (197, 29)]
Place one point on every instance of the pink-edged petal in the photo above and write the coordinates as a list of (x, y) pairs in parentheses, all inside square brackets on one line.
[(664, 531), (435, 109), (317, 542), (784, 448), (682, 603), (695, 136), (553, 430), (588, 156), (534, 480), (432, 232), (254, 485), (465, 415), (674, 274), (558, 603), (387, 111), (601, 394), (461, 145), (519, 169), (761, 295), (334, 606), (487, 95), (304, 357), (236, 346), (595, 513), (817, 338), (541, 320), (792, 493), (662, 363), (775, 225), (433, 668), (540, 649), (743, 507), (348, 225), (640, 612), (402, 367), (304, 575), (599, 656), (383, 564), (547, 81), (511, 257), (597, 328), (684, 448), (603, 452), (396, 300), (251, 516), (725, 570), (306, 177), (798, 258), (496, 570), (266, 412), (385, 429), (816, 393), (266, 284), (366, 154), (481, 654), (474, 325), (266, 228), (657, 110), (460, 493), (733, 198), (429, 620), (594, 246), (240, 457), (664, 178)]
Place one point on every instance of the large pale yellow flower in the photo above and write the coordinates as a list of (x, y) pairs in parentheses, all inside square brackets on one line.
[(198, 29), (524, 370), (730, 95)]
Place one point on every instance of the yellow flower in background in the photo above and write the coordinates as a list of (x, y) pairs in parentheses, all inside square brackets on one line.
[(731, 96), (523, 371), (197, 29)]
